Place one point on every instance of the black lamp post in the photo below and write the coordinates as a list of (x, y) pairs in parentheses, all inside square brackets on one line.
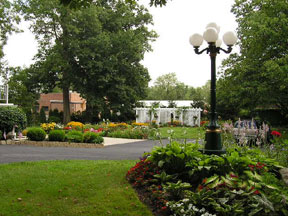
[(213, 143)]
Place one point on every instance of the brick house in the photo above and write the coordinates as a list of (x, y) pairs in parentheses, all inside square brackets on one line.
[(53, 101)]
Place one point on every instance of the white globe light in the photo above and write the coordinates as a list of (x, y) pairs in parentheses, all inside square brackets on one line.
[(196, 40), (213, 25), (210, 35), (229, 38), (218, 42)]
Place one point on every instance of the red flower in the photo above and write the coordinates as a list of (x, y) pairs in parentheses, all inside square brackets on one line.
[(256, 192), (233, 176), (164, 208), (204, 181), (200, 187), (276, 133)]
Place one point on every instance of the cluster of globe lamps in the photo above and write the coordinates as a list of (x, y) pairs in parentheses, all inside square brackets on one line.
[(213, 143)]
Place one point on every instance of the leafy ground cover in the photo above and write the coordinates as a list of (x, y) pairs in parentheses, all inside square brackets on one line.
[(179, 180), (68, 188)]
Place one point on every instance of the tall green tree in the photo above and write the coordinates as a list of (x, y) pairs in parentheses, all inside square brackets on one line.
[(258, 76), (95, 51), (22, 93), (167, 87), (108, 46), (8, 18)]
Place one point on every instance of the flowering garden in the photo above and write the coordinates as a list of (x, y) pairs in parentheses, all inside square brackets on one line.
[(177, 179)]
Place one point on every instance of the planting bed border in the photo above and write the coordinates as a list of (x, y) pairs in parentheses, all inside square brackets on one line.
[(50, 144)]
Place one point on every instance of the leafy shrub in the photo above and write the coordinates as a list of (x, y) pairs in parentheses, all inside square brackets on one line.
[(10, 117), (74, 136), (91, 137), (241, 182), (57, 135), (135, 133), (55, 116), (1, 135), (36, 134), (54, 119)]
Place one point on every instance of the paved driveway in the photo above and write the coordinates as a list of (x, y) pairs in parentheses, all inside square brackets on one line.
[(19, 153)]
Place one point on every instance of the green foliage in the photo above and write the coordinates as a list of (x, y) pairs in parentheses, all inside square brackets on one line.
[(10, 117), (97, 50), (8, 19), (241, 182), (42, 115), (36, 134), (257, 77), (167, 87), (91, 137), (1, 134), (57, 135), (74, 136), (86, 3), (55, 116), (135, 133)]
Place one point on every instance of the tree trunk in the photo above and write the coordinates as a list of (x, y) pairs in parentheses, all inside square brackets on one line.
[(66, 105)]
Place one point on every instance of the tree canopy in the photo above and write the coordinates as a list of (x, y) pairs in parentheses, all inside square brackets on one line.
[(168, 87), (95, 50), (87, 3), (258, 76), (8, 18)]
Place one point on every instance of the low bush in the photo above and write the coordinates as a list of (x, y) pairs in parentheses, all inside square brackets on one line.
[(91, 137), (57, 135), (1, 135), (134, 133), (10, 117), (36, 134), (74, 136)]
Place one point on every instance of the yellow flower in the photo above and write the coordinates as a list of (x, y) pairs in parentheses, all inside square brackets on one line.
[(48, 126), (74, 124)]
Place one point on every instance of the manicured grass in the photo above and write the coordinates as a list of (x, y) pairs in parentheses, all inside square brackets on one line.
[(68, 188), (179, 132)]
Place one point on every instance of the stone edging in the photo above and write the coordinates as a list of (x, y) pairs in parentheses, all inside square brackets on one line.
[(50, 144)]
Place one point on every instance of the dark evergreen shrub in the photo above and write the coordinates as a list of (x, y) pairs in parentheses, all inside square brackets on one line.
[(36, 134), (57, 135), (42, 116)]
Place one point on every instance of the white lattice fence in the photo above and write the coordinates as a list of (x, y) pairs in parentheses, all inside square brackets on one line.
[(189, 117)]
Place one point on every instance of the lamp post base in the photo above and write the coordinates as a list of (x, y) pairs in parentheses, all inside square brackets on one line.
[(213, 143)]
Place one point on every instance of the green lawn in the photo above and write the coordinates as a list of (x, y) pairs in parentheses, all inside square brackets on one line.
[(68, 188), (179, 132)]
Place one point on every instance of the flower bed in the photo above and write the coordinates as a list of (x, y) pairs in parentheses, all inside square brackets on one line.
[(179, 180)]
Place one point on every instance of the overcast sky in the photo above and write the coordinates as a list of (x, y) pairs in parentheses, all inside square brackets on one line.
[(174, 23)]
